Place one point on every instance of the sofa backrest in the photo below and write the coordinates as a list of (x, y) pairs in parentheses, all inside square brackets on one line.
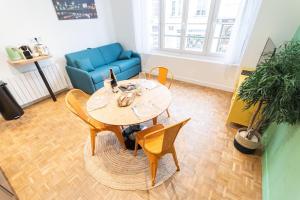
[(111, 52), (98, 56), (93, 54)]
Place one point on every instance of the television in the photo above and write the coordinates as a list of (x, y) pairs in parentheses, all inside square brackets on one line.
[(268, 51)]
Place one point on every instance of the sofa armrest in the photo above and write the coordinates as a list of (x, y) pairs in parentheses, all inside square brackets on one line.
[(81, 79), (136, 55)]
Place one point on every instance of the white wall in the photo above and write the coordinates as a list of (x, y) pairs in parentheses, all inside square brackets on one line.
[(23, 20), (277, 19), (123, 18), (205, 73)]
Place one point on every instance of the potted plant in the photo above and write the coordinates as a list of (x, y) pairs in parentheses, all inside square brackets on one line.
[(275, 88)]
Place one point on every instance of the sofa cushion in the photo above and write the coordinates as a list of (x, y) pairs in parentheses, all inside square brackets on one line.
[(111, 52), (72, 57), (85, 64), (93, 54), (126, 64), (96, 57), (100, 73), (125, 55)]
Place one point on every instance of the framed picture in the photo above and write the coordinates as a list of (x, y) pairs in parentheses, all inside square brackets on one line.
[(75, 9)]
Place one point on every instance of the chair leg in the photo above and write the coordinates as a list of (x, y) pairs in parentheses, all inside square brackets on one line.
[(153, 167), (135, 147), (118, 132), (154, 120), (168, 112), (175, 158), (93, 134)]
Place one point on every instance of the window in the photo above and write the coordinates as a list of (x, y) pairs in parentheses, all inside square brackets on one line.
[(193, 26)]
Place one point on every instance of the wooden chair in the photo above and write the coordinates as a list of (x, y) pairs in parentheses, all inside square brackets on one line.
[(157, 141), (75, 106), (162, 77)]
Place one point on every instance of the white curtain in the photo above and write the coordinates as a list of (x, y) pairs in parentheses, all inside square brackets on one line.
[(142, 24), (242, 30)]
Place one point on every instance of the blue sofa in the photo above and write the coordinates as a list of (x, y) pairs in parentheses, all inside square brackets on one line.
[(100, 60)]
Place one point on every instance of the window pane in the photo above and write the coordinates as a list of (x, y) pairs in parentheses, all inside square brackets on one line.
[(155, 41), (155, 23), (173, 23), (173, 11), (228, 11), (172, 42), (173, 29), (196, 30), (194, 43), (198, 13), (220, 45)]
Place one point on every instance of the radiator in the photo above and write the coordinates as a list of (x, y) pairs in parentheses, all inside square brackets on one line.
[(28, 87)]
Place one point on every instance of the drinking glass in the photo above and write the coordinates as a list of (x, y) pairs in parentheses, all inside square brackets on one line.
[(142, 75)]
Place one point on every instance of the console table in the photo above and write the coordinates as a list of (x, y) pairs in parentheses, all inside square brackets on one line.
[(35, 61), (237, 114)]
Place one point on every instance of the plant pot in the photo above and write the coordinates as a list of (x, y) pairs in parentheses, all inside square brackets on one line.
[(245, 145)]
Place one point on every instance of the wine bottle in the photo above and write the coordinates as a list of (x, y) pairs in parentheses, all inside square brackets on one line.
[(113, 82)]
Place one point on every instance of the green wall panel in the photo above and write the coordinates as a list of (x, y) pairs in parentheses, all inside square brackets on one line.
[(281, 163)]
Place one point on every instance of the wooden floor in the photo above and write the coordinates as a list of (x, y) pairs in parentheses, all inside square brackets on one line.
[(42, 154)]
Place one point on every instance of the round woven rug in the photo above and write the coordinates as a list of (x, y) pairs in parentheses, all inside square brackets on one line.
[(118, 168)]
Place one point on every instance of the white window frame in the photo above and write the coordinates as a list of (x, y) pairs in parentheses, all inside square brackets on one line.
[(211, 24)]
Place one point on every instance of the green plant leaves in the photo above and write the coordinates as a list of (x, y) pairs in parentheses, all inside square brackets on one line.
[(276, 82)]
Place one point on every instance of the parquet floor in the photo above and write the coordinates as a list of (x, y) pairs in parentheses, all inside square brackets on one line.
[(42, 154)]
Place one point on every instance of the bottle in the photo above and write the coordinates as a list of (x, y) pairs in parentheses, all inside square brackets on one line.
[(113, 82)]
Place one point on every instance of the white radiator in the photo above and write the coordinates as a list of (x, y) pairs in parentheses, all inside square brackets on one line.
[(29, 87)]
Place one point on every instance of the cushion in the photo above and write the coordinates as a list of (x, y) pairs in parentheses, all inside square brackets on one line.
[(125, 55), (111, 52), (127, 64), (85, 64), (96, 57), (93, 54), (100, 73), (72, 57)]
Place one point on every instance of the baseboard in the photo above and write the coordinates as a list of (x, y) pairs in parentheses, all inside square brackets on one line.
[(203, 83)]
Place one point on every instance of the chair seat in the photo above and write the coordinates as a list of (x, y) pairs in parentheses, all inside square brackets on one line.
[(100, 73), (126, 64), (154, 145)]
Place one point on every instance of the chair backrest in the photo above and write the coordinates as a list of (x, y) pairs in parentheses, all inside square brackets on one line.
[(169, 134), (162, 76), (74, 105)]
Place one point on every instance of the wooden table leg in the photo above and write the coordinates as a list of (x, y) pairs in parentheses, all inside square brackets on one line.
[(154, 120)]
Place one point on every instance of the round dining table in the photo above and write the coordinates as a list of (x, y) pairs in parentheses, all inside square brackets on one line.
[(152, 99)]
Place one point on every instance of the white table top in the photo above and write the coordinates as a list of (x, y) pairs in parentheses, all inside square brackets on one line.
[(149, 105)]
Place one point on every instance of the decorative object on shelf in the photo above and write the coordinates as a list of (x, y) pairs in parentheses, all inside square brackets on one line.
[(27, 52), (275, 88), (41, 49), (126, 99), (14, 53), (78, 9)]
